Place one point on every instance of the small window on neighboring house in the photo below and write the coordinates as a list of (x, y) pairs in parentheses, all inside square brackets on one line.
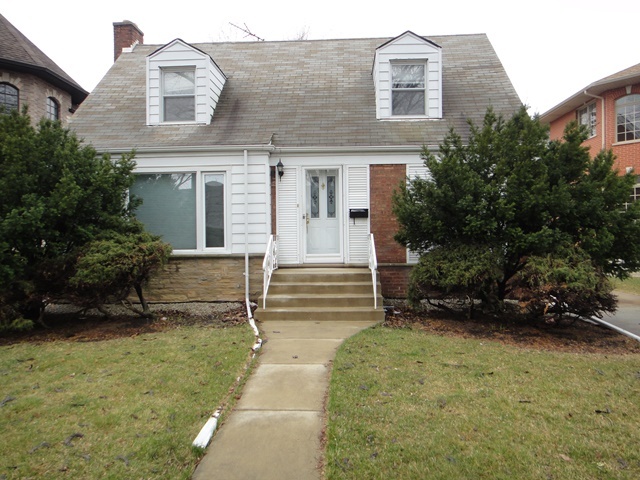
[(8, 97), (587, 116), (408, 88), (53, 109), (178, 95), (628, 118)]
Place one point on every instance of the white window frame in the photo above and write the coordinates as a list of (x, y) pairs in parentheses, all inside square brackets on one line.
[(423, 63), (620, 104), (184, 68), (200, 208), (587, 115)]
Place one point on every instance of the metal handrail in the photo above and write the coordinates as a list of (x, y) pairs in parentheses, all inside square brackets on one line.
[(269, 264), (373, 266)]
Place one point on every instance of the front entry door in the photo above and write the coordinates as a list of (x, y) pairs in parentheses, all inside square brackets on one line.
[(322, 216)]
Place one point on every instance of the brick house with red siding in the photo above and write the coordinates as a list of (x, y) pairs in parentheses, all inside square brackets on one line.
[(610, 107), (302, 141)]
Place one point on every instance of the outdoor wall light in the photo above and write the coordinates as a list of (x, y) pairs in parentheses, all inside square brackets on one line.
[(280, 168)]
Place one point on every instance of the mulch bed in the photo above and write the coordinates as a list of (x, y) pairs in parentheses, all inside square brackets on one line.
[(578, 337)]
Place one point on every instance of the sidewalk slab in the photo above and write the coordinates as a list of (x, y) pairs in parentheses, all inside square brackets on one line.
[(285, 387), (266, 446), (298, 351)]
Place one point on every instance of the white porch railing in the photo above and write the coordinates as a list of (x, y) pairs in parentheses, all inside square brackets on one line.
[(269, 264), (373, 266)]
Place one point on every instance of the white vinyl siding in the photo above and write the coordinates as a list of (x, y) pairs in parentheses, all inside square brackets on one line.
[(288, 216), (358, 228), (415, 170), (177, 56), (257, 199), (408, 48)]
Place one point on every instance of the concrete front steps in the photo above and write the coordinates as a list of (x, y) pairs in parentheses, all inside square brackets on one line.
[(322, 294)]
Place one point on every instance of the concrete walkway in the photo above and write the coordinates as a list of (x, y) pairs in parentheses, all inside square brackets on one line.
[(275, 429)]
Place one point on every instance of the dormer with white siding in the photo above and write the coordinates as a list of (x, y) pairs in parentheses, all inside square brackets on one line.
[(407, 74), (183, 85)]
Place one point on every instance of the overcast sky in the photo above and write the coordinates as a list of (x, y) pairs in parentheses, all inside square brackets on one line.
[(550, 48)]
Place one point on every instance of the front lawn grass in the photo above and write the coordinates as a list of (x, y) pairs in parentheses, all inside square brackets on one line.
[(406, 404), (630, 285), (122, 408)]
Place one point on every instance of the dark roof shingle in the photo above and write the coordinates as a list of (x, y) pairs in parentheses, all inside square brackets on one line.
[(317, 93)]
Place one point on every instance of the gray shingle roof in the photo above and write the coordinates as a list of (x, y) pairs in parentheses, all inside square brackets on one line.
[(18, 53), (317, 93)]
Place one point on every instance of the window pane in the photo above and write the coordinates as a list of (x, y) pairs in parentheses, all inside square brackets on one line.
[(408, 76), (179, 82), (169, 207), (627, 112), (331, 196), (408, 103), (315, 196), (214, 210), (179, 109), (8, 96), (53, 109)]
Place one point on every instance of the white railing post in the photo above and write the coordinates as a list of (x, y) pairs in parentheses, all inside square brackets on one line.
[(373, 266), (269, 264)]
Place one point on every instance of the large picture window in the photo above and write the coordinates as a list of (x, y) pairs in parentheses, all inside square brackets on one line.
[(8, 97), (628, 118), (179, 95), (408, 89), (187, 209)]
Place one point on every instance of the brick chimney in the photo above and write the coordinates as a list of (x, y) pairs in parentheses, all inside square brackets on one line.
[(125, 34)]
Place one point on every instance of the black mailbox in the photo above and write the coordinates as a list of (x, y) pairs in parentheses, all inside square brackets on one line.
[(358, 213)]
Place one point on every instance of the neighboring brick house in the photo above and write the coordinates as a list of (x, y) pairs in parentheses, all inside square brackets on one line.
[(28, 77), (610, 108), (306, 140)]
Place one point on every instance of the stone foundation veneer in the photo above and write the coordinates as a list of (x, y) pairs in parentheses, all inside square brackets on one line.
[(205, 279)]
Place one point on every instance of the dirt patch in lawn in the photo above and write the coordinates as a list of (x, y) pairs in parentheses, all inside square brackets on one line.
[(66, 323), (577, 336)]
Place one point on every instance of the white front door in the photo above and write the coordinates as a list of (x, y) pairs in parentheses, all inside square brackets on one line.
[(322, 223)]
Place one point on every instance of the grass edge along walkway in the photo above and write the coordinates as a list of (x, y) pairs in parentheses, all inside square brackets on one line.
[(406, 404)]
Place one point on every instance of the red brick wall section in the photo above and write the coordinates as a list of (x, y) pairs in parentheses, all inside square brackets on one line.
[(125, 34), (394, 280), (384, 180), (627, 153)]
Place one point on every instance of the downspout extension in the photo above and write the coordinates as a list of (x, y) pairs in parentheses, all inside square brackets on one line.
[(604, 118)]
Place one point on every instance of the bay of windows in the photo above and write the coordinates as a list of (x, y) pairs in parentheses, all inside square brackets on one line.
[(408, 88), (187, 209), (628, 118)]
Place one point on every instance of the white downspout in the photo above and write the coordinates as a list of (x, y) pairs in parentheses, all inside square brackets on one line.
[(246, 252), (604, 118)]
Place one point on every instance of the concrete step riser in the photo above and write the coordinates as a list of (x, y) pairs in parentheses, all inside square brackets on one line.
[(320, 289), (320, 277), (337, 315), (294, 301)]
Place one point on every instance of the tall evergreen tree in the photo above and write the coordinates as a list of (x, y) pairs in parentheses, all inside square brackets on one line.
[(492, 208)]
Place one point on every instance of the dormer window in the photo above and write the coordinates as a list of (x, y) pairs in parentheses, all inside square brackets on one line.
[(179, 95), (408, 85), (407, 76), (183, 85)]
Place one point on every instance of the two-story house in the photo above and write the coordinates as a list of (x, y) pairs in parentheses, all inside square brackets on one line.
[(305, 141), (610, 109), (28, 77)]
